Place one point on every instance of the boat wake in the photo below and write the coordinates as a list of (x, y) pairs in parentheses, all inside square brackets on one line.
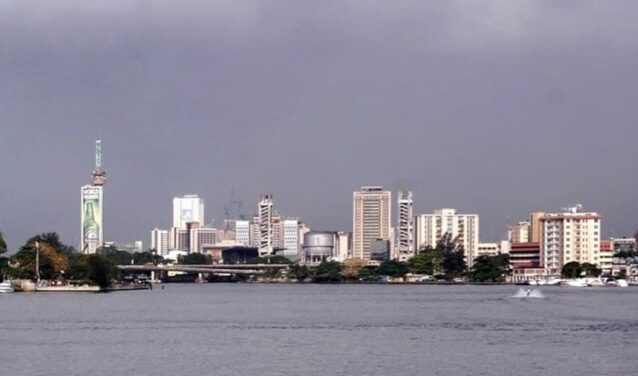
[(528, 293)]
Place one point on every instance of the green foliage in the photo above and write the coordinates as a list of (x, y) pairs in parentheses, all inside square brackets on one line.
[(141, 258), (114, 255), (298, 272), (272, 273), (327, 271), (590, 270), (490, 268), (100, 270), (454, 262), (428, 261), (195, 259), (5, 269), (3, 244), (368, 273), (571, 270), (393, 268)]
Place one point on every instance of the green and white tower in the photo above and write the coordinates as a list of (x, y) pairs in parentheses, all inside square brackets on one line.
[(92, 204)]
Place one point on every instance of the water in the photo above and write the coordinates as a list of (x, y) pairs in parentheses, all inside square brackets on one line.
[(245, 329)]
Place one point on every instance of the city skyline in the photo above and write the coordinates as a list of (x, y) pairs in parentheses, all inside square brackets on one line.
[(532, 110)]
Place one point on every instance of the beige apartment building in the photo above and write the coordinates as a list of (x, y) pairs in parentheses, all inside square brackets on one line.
[(569, 236), (371, 216)]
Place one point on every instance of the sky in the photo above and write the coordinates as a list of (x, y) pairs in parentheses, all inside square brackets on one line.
[(495, 107)]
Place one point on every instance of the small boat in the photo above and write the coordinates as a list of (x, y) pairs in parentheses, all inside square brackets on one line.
[(580, 282), (5, 287)]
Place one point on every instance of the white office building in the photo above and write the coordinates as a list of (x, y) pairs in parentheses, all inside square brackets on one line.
[(189, 208), (159, 241), (405, 226), (463, 229), (291, 237), (265, 210)]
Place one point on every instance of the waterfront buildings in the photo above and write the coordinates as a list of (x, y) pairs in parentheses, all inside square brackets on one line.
[(92, 207), (570, 235), (371, 216), (463, 229), (405, 226)]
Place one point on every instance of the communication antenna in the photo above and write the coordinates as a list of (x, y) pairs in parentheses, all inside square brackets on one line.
[(99, 174)]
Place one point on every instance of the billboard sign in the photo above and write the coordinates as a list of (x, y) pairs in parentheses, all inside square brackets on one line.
[(91, 218)]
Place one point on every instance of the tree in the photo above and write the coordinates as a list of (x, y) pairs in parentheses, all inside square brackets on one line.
[(590, 270), (3, 244), (272, 273), (454, 262), (52, 261), (100, 270), (114, 255), (327, 271), (351, 269), (571, 270), (490, 268), (393, 268), (298, 272), (428, 261), (369, 273), (195, 259)]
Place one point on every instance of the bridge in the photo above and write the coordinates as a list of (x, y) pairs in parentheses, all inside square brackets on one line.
[(247, 269)]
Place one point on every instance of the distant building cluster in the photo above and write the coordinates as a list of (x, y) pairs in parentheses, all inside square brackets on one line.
[(538, 247)]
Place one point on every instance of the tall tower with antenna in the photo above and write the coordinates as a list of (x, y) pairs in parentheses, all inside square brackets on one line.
[(92, 205)]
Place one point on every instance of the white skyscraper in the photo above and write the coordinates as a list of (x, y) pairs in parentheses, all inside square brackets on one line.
[(242, 232), (159, 241), (371, 216), (265, 209), (405, 227), (188, 208), (291, 237), (461, 228)]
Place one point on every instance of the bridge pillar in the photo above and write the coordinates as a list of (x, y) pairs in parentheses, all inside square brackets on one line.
[(153, 276)]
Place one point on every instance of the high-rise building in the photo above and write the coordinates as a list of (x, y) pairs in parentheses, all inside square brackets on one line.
[(463, 229), (188, 208), (570, 235), (291, 237), (178, 239), (519, 233), (371, 216), (535, 230), (405, 226), (265, 210), (242, 232), (159, 241), (92, 207), (343, 245)]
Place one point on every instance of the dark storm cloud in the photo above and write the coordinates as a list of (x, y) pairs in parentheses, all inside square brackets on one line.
[(497, 107)]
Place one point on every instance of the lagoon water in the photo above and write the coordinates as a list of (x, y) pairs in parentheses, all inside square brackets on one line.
[(263, 329)]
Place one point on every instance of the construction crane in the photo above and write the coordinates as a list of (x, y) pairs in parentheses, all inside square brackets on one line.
[(232, 209)]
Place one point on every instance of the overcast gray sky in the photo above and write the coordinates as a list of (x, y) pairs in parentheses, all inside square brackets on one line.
[(491, 107)]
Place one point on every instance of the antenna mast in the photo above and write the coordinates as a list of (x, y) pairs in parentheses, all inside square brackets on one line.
[(99, 174)]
